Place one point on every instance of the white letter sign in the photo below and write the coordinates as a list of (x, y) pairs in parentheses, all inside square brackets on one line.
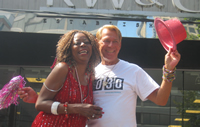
[(91, 3), (178, 4)]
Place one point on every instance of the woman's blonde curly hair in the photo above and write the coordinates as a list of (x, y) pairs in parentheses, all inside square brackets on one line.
[(64, 53)]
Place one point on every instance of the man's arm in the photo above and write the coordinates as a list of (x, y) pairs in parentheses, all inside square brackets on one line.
[(161, 95)]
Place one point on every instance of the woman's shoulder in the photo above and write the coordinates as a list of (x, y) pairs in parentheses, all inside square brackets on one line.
[(61, 67), (62, 64)]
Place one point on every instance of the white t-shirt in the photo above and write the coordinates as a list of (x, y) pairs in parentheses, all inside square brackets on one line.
[(118, 98)]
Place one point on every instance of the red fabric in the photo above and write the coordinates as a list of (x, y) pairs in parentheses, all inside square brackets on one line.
[(54, 62), (69, 93)]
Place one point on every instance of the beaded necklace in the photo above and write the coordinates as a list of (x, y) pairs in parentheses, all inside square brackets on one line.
[(82, 99)]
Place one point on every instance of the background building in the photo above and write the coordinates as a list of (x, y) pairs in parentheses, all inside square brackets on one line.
[(30, 29)]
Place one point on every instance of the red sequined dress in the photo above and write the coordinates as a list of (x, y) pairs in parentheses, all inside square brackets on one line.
[(70, 93)]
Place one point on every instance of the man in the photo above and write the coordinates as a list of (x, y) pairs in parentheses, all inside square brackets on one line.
[(118, 83)]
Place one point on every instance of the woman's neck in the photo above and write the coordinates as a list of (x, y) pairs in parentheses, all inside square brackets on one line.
[(80, 74)]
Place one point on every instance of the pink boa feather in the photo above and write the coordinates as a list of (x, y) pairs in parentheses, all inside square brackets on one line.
[(8, 94)]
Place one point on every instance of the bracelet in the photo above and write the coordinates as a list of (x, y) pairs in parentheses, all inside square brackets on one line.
[(66, 105), (54, 107), (169, 75), (169, 71), (51, 89)]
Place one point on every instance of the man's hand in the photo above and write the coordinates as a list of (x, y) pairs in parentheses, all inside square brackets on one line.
[(171, 59)]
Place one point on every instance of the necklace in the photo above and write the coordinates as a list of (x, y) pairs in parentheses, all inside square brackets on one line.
[(82, 99), (105, 82)]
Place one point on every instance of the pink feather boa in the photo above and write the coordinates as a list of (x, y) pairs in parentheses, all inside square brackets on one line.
[(8, 94)]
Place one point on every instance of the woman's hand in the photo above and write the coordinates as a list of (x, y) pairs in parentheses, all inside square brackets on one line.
[(27, 94), (88, 110)]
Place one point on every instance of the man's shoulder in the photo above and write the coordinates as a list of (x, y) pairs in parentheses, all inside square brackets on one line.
[(98, 66), (126, 63)]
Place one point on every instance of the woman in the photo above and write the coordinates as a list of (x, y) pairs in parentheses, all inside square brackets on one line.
[(66, 96)]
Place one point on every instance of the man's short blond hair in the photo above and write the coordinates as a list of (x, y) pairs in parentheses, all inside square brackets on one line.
[(110, 27)]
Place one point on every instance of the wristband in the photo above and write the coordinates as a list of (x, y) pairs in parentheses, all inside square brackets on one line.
[(169, 75), (54, 107), (168, 71)]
